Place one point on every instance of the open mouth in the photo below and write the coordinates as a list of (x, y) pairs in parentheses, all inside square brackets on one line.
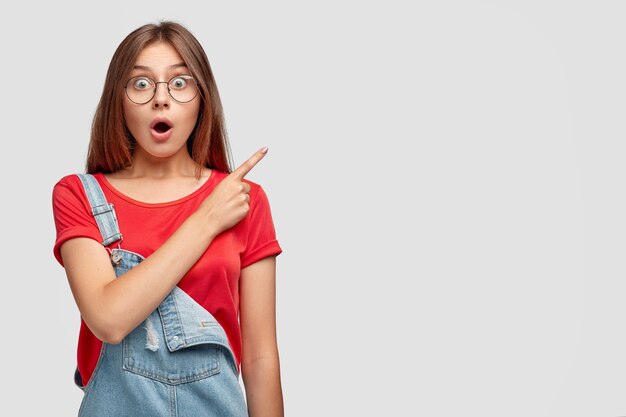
[(162, 127)]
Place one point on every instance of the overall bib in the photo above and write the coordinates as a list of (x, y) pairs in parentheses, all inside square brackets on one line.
[(177, 363)]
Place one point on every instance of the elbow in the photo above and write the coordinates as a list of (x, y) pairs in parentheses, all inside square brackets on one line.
[(107, 332), (114, 335), (106, 323), (108, 336), (113, 339)]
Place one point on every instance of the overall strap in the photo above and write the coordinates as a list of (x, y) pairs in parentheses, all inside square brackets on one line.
[(103, 211)]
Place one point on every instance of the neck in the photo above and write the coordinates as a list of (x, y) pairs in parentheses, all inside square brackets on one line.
[(150, 166)]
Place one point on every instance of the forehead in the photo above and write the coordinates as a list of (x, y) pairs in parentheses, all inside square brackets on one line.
[(158, 57)]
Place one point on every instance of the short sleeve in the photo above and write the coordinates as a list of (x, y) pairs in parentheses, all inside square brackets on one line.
[(262, 240), (72, 214)]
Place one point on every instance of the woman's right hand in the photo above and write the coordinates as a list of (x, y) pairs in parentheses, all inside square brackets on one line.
[(229, 202)]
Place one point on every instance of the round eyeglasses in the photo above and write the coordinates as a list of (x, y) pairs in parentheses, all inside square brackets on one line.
[(141, 89)]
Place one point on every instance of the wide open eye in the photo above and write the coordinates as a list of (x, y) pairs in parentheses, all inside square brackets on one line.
[(142, 83), (180, 82)]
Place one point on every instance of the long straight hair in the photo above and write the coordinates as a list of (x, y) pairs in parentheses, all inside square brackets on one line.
[(111, 144)]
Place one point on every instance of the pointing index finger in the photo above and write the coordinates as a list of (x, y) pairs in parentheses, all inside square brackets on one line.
[(249, 164)]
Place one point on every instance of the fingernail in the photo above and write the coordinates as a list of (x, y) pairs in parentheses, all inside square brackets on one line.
[(264, 149)]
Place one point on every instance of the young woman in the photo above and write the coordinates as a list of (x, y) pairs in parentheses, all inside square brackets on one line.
[(169, 253)]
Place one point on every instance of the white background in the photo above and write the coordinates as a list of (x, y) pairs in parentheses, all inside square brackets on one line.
[(446, 181)]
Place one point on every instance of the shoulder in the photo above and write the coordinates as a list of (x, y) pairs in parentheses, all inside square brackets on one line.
[(69, 180), (68, 187)]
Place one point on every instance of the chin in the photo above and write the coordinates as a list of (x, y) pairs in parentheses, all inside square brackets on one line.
[(163, 154), (163, 149)]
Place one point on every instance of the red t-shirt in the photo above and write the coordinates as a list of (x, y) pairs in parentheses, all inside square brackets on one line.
[(213, 281)]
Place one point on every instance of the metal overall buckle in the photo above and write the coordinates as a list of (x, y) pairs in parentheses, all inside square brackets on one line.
[(115, 254)]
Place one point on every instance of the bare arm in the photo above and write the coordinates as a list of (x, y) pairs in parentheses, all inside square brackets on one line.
[(112, 307), (260, 367)]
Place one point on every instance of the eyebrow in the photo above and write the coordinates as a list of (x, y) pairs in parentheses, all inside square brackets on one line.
[(143, 67)]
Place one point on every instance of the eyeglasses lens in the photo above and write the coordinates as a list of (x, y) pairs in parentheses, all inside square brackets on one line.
[(182, 88)]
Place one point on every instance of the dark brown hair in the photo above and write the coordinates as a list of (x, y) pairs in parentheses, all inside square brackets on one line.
[(111, 144)]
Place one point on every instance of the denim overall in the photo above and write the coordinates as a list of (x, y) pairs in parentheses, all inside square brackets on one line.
[(176, 363)]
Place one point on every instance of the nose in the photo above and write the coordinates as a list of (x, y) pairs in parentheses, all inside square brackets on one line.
[(161, 97)]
